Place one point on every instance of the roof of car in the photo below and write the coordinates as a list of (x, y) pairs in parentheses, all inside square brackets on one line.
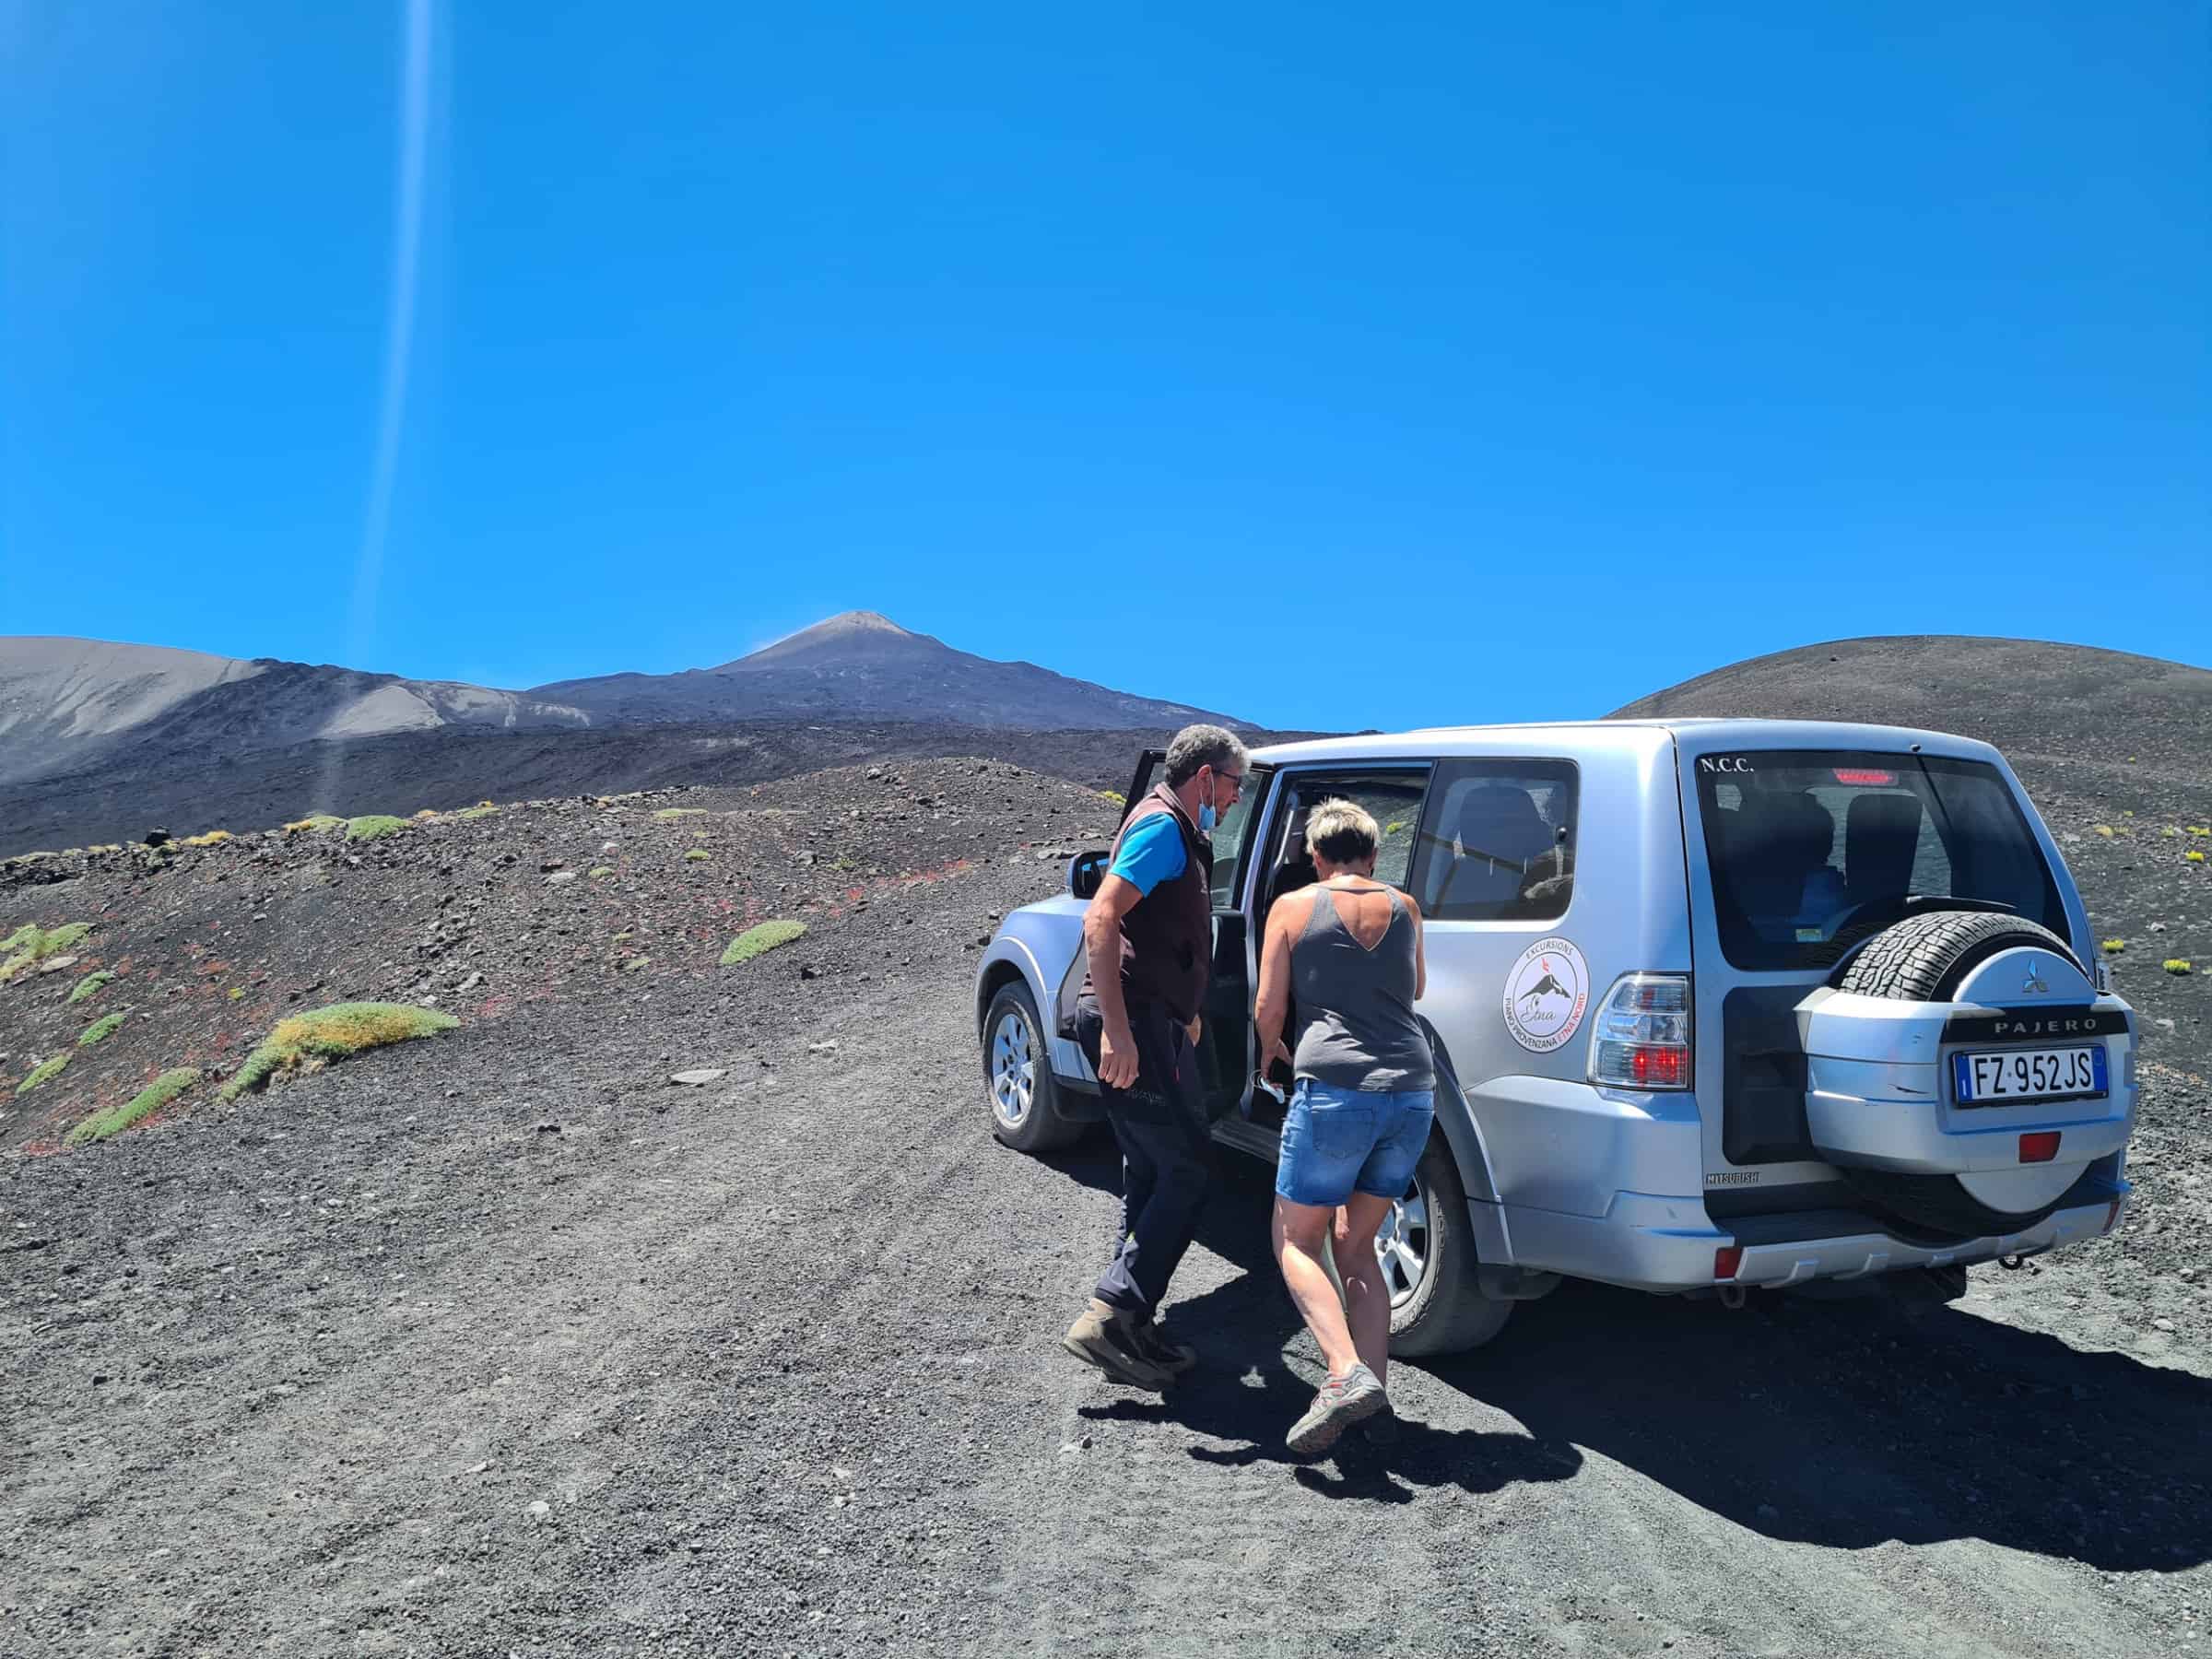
[(1699, 733)]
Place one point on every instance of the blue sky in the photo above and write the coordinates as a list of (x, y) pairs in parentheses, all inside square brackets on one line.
[(1441, 362)]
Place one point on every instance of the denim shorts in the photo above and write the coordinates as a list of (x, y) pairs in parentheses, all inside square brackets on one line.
[(1340, 1141)]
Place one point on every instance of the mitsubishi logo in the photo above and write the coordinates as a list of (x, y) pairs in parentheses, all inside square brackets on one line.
[(2033, 984)]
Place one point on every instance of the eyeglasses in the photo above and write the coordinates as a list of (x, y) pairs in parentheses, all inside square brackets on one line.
[(1234, 779)]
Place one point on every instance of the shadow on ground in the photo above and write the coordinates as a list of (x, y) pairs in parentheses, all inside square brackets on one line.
[(1840, 1423)]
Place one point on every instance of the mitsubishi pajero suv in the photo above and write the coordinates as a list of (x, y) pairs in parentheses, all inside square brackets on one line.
[(1717, 1005)]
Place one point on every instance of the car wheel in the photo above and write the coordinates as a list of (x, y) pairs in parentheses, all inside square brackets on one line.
[(1019, 1086), (1927, 958), (1426, 1249)]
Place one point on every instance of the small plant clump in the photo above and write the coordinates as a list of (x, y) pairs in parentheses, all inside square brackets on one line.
[(762, 936), (2194, 856), (374, 826), (666, 813), (316, 822), (698, 855), (2103, 829), (102, 1026), (41, 1072), (91, 981), (2178, 965), (213, 838), (151, 1098), (482, 810), (2114, 946), (309, 1042), (631, 964), (31, 944), (599, 870)]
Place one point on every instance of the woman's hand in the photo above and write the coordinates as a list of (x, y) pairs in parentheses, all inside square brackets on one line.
[(1277, 1052), (1192, 1030)]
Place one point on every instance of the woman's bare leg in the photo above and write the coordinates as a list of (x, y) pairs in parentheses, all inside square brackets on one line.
[(1298, 1230), (1366, 1291)]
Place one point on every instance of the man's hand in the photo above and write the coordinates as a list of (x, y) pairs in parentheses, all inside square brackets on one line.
[(1276, 1051), (1192, 1029), (1117, 1057)]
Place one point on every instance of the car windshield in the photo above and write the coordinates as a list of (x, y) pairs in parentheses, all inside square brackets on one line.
[(1801, 845)]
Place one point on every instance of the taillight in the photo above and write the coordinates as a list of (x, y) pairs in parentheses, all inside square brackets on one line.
[(1864, 774), (1641, 1037), (2040, 1147)]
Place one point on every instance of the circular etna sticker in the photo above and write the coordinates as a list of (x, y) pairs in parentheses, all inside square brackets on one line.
[(1546, 995)]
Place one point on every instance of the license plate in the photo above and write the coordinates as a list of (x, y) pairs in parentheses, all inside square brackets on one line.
[(2014, 1076)]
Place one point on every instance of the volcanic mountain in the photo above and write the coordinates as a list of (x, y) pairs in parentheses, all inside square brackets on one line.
[(79, 705), (860, 666)]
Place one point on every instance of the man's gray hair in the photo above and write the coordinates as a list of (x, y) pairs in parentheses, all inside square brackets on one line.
[(1342, 831), (1200, 746)]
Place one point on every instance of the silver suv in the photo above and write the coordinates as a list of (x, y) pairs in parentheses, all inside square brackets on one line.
[(1716, 1005)]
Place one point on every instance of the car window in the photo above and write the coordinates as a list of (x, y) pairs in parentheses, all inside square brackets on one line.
[(1233, 833), (1496, 842), (1392, 798), (1802, 844)]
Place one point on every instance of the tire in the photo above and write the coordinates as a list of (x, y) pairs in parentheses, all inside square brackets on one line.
[(1927, 958), (1443, 1311), (1019, 1091)]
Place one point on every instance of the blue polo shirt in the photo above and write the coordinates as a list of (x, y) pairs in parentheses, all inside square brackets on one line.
[(1151, 854)]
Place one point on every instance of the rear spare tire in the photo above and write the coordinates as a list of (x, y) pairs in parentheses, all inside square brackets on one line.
[(1927, 958), (1019, 1086)]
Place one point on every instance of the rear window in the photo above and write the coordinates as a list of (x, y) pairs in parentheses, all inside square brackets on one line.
[(1801, 845)]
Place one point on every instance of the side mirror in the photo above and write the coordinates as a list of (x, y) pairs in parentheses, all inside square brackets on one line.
[(1086, 871)]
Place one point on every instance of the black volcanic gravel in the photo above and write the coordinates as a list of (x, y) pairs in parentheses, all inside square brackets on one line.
[(502, 1343)]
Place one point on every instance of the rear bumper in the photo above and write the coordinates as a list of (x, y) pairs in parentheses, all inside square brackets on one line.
[(1648, 1242)]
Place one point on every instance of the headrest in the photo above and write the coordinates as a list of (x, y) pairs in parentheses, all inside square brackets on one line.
[(1499, 820), (1780, 832)]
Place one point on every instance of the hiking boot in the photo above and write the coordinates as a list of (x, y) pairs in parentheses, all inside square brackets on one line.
[(1104, 1337), (1152, 1344), (1342, 1402)]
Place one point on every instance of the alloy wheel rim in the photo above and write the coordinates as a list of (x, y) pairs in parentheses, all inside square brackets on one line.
[(1013, 1070), (1401, 1245)]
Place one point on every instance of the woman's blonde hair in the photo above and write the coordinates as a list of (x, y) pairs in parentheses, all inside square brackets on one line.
[(1342, 831)]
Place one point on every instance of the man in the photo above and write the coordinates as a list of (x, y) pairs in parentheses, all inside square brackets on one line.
[(1149, 945)]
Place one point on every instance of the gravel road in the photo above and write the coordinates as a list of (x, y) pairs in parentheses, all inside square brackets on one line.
[(503, 1344)]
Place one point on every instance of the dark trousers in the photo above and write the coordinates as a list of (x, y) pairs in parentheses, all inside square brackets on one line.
[(1167, 1155)]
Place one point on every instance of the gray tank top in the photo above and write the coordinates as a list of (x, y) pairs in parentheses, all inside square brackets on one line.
[(1358, 1028)]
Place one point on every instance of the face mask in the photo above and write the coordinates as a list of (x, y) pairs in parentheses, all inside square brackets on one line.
[(1205, 813)]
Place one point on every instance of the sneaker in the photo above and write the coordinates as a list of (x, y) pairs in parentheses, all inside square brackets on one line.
[(1102, 1337), (1152, 1344), (1343, 1401)]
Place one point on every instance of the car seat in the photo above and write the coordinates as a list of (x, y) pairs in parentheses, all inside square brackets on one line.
[(1881, 837), (1496, 833), (1777, 846)]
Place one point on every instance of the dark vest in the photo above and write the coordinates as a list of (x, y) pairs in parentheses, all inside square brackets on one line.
[(1168, 937)]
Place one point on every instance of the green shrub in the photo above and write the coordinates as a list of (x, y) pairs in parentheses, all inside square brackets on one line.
[(698, 855), (2103, 829), (666, 813), (310, 1041), (39, 1074), (2177, 965), (2114, 946), (102, 1026), (763, 936), (1115, 795), (599, 870), (631, 964), (152, 1098), (89, 984), (482, 810), (2194, 856), (30, 944), (374, 826), (314, 822)]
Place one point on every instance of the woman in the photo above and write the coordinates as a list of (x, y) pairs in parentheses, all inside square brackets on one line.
[(1348, 948)]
